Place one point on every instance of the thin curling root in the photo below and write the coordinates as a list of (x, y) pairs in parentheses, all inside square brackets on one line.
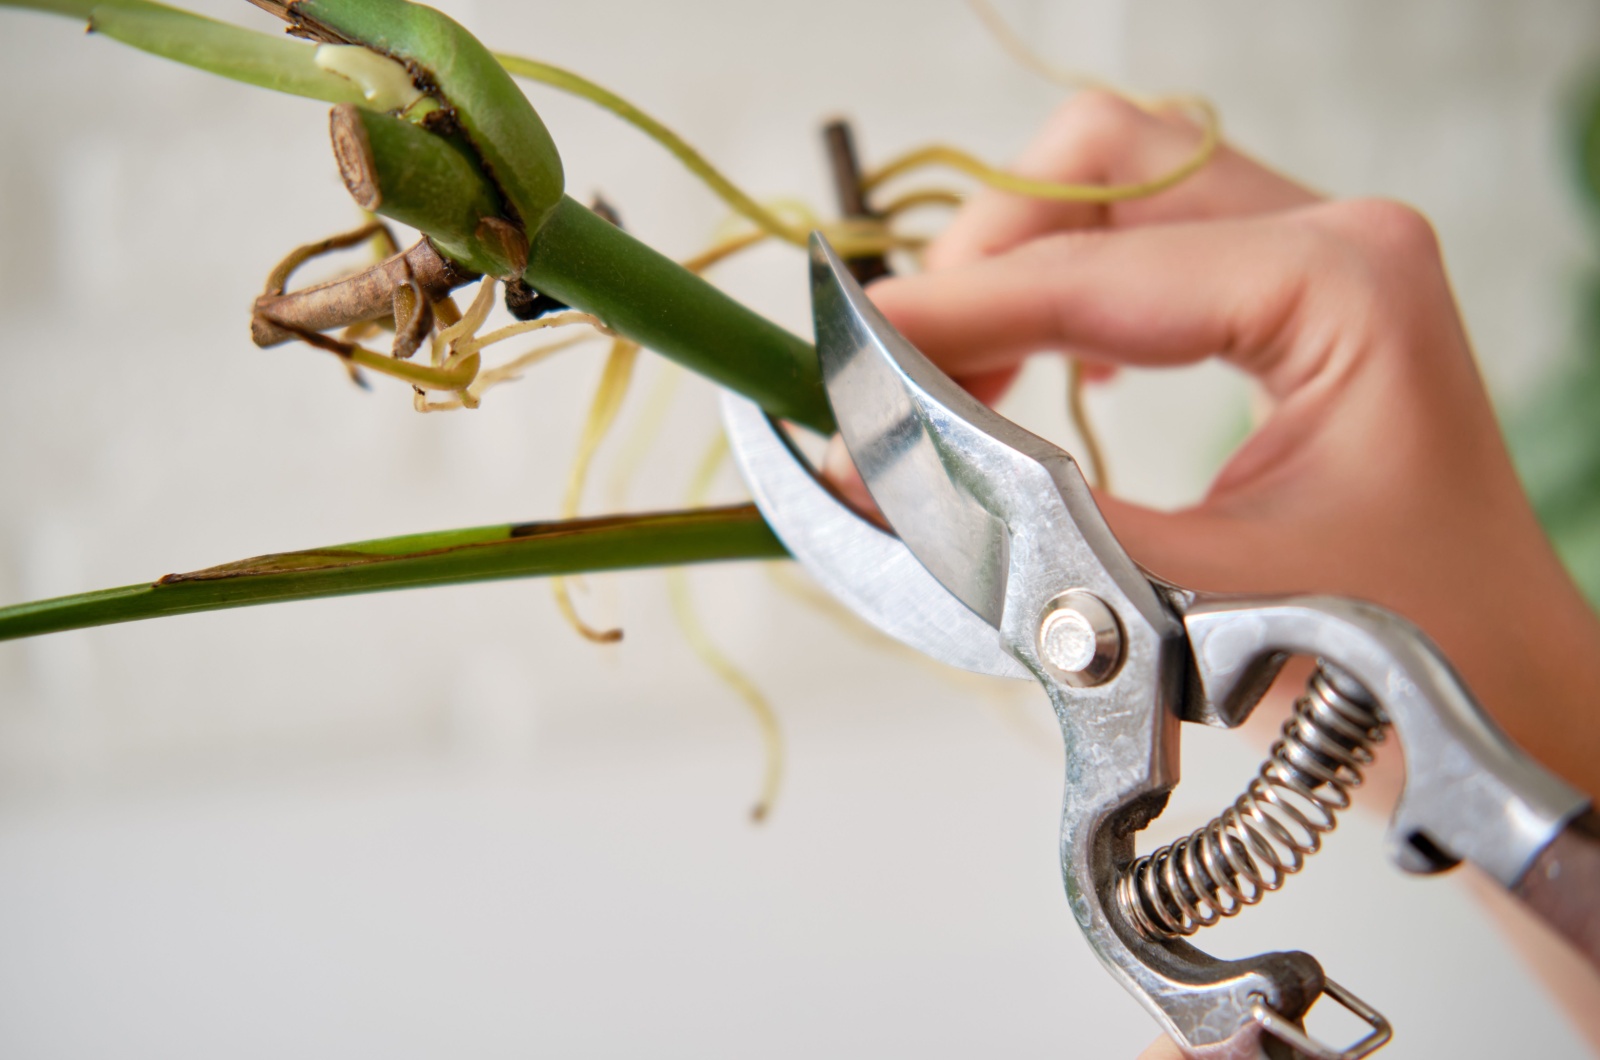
[(715, 660), (955, 158), (693, 161), (608, 396)]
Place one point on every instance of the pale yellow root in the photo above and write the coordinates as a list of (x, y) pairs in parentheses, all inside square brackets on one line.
[(957, 159), (1013, 43), (474, 342), (509, 372), (851, 236), (603, 409), (473, 318), (870, 236), (366, 329), (455, 352), (614, 383), (915, 200), (646, 430), (723, 250), (702, 645), (1094, 459), (705, 648), (454, 372), (850, 240), (373, 230), (743, 204)]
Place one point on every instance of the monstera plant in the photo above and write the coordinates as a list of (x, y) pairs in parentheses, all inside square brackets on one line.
[(429, 130)]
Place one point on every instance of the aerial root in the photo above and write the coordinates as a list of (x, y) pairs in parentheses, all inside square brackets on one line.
[(615, 378), (362, 297)]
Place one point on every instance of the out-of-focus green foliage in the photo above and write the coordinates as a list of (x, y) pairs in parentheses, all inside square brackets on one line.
[(1556, 439)]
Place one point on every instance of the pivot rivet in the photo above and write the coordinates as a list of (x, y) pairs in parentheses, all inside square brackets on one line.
[(1080, 640)]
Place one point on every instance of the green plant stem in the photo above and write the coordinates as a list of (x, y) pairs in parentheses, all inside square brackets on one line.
[(573, 255), (520, 158), (595, 266), (518, 550), (418, 178), (392, 167), (423, 179)]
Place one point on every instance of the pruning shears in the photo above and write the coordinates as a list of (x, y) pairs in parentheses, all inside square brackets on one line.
[(1000, 562)]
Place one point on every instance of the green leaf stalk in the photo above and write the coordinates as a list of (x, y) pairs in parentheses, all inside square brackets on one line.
[(451, 557)]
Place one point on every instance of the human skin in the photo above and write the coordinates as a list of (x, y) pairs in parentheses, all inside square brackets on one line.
[(1379, 472)]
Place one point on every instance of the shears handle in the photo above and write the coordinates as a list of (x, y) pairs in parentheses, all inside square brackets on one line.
[(1470, 794), (1562, 885)]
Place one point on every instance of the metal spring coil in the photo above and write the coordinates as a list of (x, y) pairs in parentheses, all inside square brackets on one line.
[(1255, 845)]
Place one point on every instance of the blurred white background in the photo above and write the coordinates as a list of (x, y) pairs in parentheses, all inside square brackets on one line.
[(438, 823)]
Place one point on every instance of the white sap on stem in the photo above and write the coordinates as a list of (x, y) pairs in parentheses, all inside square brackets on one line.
[(384, 82)]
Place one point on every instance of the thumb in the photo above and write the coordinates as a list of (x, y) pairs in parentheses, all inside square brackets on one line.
[(1203, 548)]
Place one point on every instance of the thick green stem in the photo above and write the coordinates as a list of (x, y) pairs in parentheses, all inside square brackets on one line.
[(573, 255), (407, 173), (595, 266), (519, 550), (504, 129), (427, 180), (457, 190), (396, 169)]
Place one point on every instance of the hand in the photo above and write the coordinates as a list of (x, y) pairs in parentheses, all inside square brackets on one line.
[(1162, 1048), (1380, 472)]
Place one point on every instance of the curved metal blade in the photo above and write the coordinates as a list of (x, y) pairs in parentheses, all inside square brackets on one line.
[(868, 570), (930, 505), (957, 481)]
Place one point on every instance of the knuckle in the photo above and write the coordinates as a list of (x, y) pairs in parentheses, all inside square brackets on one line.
[(1097, 106), (1375, 267), (1376, 253), (1384, 231), (1102, 113), (1094, 121)]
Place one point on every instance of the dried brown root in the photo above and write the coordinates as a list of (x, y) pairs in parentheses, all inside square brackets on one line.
[(368, 295), (278, 278)]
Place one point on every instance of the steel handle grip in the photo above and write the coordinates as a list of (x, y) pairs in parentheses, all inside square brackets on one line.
[(1562, 885)]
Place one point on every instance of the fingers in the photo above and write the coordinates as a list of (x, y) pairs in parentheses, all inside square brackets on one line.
[(1284, 297), (1100, 138), (1162, 295), (1162, 1048), (1341, 309)]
